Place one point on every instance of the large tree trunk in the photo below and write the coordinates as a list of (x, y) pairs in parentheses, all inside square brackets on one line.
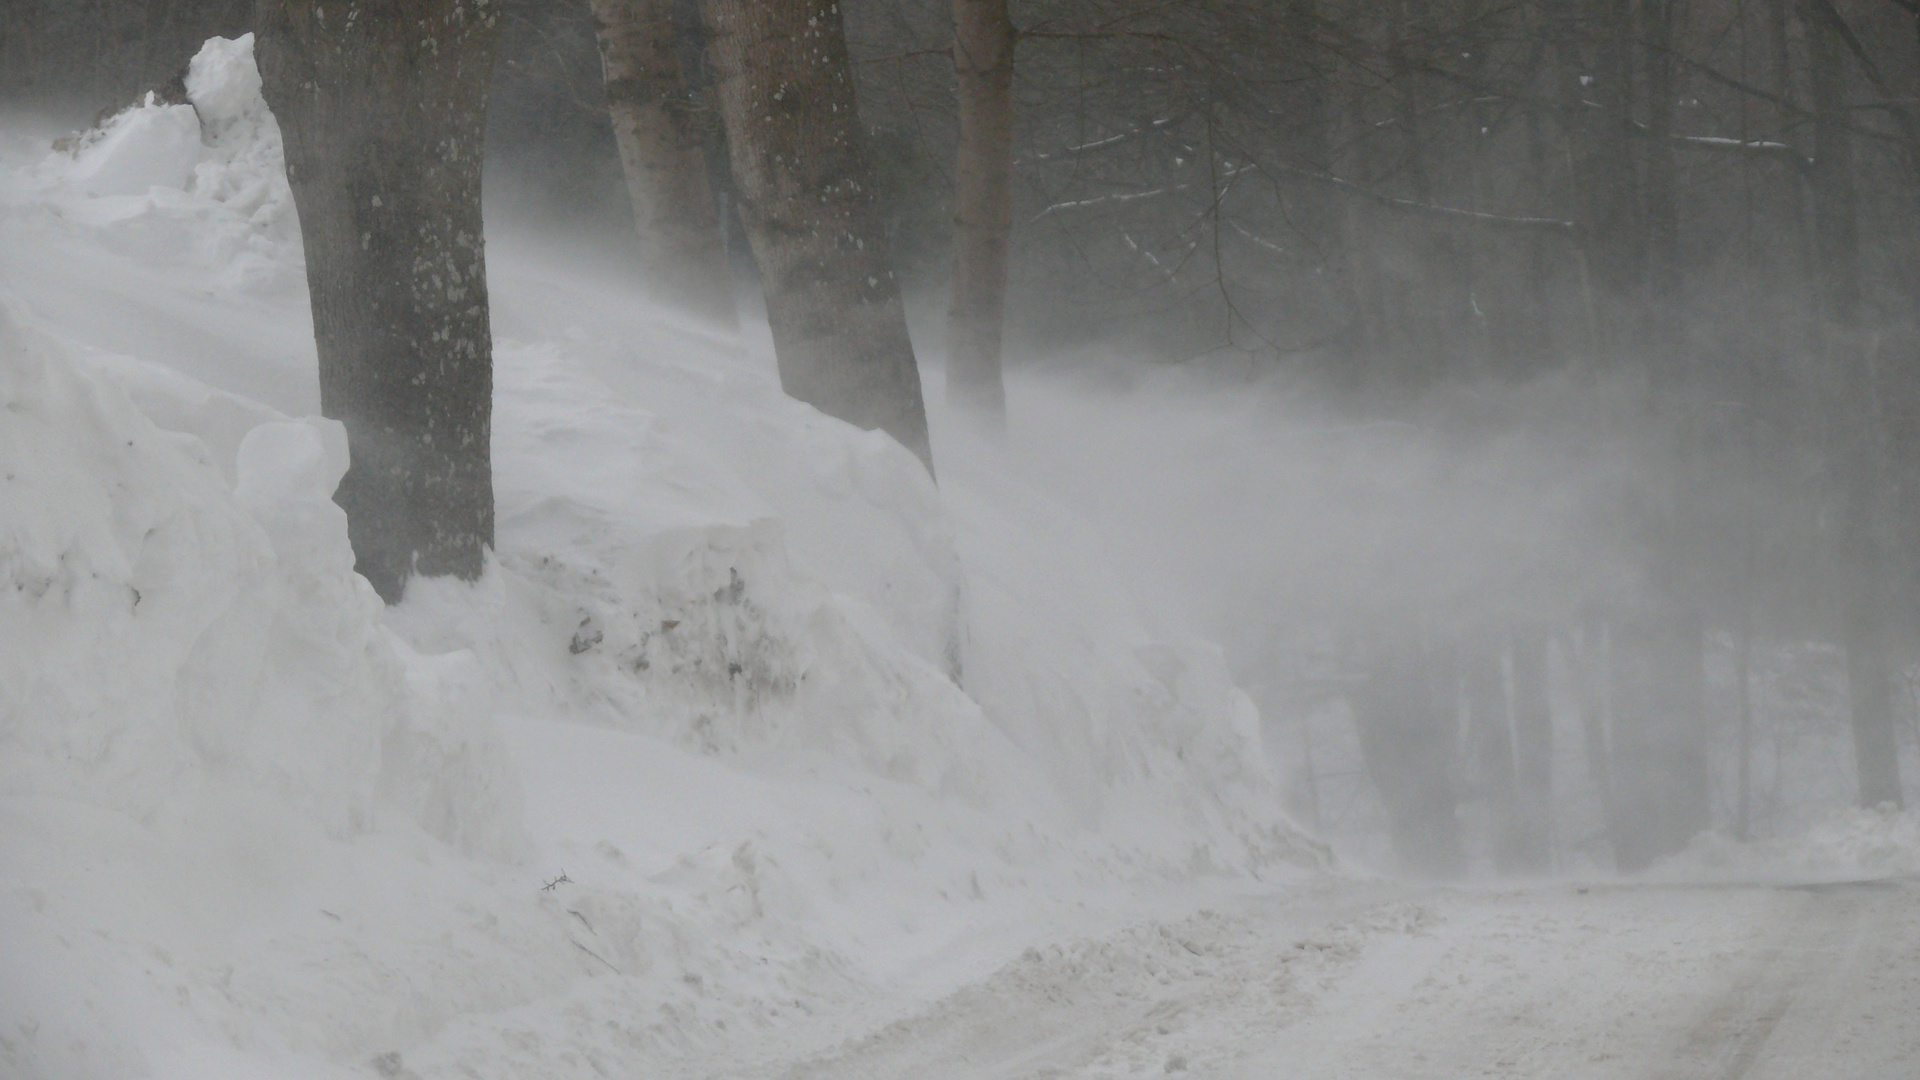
[(382, 104), (983, 40), (655, 127), (1406, 718), (807, 200), (1857, 427)]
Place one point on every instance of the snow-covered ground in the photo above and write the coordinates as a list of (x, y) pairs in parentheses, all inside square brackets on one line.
[(1360, 981), (797, 732), (752, 754)]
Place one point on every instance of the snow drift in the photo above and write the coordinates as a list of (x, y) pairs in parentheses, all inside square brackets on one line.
[(746, 719), (165, 630)]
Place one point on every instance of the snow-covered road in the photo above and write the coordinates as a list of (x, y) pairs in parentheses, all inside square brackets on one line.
[(1399, 981)]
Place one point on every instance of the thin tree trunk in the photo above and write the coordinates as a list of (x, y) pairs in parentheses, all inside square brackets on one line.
[(382, 104), (1490, 744), (1857, 425), (1310, 772), (1533, 749), (983, 40), (1373, 336), (1837, 240), (1433, 302), (656, 130), (1591, 695), (1749, 579), (1869, 693), (1743, 822), (1681, 673), (1612, 225), (1659, 735), (1662, 311), (1313, 208), (806, 198), (1405, 716), (1542, 352)]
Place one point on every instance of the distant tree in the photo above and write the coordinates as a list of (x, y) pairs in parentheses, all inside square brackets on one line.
[(983, 41), (658, 133), (1661, 25), (1533, 747), (1857, 430), (1659, 734), (1406, 711), (382, 104), (806, 198), (1490, 744)]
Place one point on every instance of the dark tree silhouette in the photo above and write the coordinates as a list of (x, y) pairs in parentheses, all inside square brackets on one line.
[(806, 193), (382, 104)]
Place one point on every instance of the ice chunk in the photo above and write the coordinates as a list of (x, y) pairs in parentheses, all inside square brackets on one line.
[(223, 83), (149, 145)]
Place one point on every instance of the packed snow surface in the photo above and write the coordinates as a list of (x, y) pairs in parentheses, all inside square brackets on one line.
[(753, 753)]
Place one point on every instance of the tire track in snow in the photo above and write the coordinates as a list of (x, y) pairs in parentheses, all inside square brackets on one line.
[(1145, 1001), (1833, 996), (1407, 982)]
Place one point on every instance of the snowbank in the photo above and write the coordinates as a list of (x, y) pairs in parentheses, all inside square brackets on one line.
[(142, 607), (1845, 845), (202, 184), (746, 721), (165, 630)]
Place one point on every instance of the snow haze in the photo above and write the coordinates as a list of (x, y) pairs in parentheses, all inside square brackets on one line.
[(756, 753)]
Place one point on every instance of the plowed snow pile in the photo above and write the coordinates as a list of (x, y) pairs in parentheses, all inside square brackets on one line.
[(748, 733), (1842, 845)]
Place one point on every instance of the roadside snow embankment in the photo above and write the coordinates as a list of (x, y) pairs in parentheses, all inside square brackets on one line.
[(164, 630), (747, 722), (1844, 845)]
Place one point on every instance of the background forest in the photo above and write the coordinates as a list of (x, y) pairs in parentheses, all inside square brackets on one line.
[(1549, 367)]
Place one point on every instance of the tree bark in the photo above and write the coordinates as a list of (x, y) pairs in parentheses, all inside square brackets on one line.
[(382, 104), (655, 126), (983, 40), (807, 201)]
